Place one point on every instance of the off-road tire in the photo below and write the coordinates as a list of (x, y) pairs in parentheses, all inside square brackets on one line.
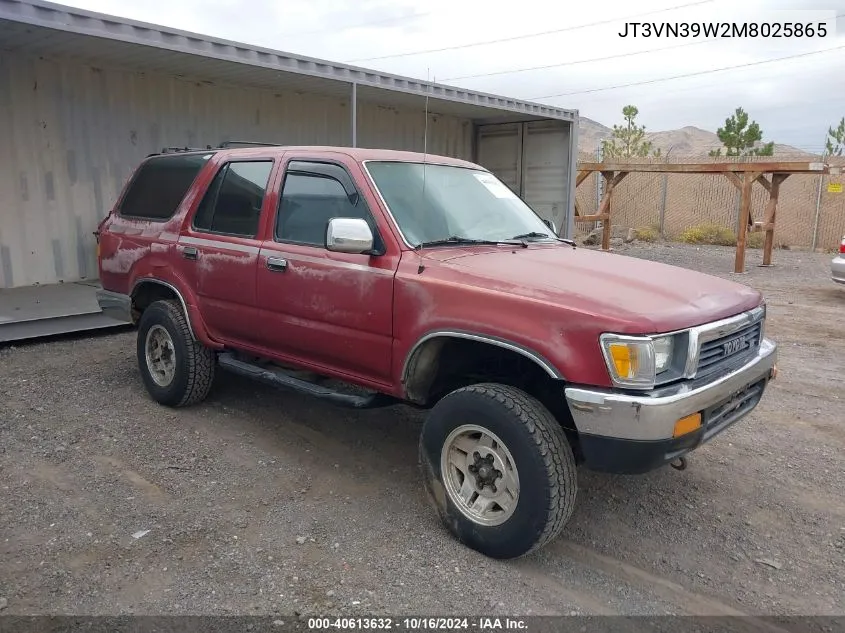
[(541, 453), (195, 363)]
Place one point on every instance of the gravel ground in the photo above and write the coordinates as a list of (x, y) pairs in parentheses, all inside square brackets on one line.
[(265, 502)]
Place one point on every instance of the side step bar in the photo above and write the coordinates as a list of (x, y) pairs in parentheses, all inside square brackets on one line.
[(278, 378)]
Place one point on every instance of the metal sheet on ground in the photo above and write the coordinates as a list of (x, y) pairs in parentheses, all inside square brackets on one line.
[(36, 311)]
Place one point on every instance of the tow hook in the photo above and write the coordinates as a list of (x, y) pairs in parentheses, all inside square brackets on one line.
[(679, 463)]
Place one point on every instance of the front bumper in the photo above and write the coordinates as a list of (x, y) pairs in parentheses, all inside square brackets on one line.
[(115, 305), (621, 432), (837, 269)]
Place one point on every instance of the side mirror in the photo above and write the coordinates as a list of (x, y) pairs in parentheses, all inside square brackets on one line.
[(551, 225), (349, 235)]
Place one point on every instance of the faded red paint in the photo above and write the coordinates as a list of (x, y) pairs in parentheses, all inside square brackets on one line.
[(358, 317)]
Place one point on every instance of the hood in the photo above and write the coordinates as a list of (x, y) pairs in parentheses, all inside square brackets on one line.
[(641, 296)]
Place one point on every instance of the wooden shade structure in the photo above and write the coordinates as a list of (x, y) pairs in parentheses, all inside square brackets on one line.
[(743, 175)]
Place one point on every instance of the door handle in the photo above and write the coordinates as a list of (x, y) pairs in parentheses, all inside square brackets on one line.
[(277, 264), (190, 252)]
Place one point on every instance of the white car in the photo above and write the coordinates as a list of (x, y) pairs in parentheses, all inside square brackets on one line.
[(837, 266)]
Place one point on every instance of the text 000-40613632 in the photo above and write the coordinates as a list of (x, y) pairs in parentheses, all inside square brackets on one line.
[(417, 623)]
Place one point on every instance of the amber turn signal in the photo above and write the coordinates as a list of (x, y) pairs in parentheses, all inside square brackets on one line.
[(687, 425), (774, 373)]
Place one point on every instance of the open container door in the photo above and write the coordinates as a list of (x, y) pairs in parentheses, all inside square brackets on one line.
[(534, 158)]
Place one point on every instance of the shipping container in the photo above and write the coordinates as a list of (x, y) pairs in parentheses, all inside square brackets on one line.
[(85, 96)]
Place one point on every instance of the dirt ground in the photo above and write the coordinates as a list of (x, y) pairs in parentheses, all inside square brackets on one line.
[(265, 502)]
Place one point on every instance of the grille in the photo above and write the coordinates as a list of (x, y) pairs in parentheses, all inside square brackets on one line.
[(728, 350), (728, 412)]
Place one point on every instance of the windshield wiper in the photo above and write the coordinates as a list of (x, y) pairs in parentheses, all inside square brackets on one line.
[(532, 234), (536, 235), (457, 239)]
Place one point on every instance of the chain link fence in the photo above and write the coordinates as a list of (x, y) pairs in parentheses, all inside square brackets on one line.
[(810, 212)]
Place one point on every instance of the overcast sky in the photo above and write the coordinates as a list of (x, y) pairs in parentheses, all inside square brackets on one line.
[(793, 100)]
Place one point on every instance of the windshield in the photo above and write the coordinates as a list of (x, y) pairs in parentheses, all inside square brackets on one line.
[(456, 202)]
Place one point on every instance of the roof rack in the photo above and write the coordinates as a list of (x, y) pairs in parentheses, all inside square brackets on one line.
[(170, 150), (223, 145), (226, 144)]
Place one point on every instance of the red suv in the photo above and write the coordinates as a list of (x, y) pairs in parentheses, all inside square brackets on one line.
[(424, 280)]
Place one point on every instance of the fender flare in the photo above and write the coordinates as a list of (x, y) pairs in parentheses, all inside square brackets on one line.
[(528, 353), (195, 324)]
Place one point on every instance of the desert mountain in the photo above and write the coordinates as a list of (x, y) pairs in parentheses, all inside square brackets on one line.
[(687, 141)]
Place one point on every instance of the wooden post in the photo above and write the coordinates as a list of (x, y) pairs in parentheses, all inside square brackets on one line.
[(737, 182), (769, 217), (582, 176), (611, 181), (744, 215), (604, 210)]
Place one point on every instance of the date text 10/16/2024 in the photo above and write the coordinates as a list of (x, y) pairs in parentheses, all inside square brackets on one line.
[(480, 624)]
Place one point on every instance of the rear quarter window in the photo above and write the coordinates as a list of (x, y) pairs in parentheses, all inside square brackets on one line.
[(159, 185)]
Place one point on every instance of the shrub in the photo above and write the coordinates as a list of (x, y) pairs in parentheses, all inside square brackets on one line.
[(647, 234), (709, 234), (755, 240)]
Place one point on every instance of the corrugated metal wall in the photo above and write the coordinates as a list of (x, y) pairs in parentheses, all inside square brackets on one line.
[(391, 128), (70, 134), (533, 159), (547, 183), (500, 151)]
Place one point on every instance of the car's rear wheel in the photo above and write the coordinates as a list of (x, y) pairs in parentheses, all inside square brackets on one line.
[(177, 370), (498, 469)]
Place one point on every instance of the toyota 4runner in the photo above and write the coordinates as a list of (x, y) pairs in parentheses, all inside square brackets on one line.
[(370, 278)]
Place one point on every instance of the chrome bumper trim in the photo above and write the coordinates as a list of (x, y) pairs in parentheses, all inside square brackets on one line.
[(652, 415), (837, 269)]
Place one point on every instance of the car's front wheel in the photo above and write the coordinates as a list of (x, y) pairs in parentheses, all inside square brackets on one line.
[(498, 468), (177, 370)]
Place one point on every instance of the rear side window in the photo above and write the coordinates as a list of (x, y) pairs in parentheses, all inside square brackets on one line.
[(159, 186), (232, 204)]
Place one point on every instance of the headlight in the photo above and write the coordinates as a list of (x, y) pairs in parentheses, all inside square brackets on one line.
[(636, 361), (663, 348)]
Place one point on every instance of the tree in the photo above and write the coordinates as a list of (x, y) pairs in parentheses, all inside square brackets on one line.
[(741, 137), (835, 143), (627, 140)]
